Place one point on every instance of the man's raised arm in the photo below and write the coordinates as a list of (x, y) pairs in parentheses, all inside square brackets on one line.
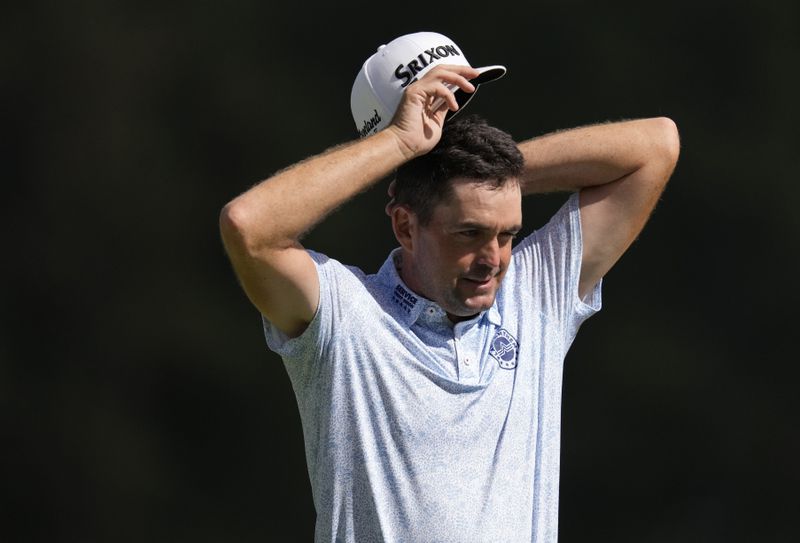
[(621, 170), (261, 228)]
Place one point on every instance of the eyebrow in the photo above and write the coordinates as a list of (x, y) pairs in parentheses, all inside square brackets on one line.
[(480, 226)]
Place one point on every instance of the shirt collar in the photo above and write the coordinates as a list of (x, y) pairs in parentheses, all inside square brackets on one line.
[(408, 306)]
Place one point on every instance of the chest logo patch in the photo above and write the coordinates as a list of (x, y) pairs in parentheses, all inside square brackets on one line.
[(504, 349)]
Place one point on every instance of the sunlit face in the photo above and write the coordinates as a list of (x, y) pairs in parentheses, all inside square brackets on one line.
[(460, 257)]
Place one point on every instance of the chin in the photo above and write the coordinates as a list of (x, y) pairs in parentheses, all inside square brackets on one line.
[(476, 304), (482, 306)]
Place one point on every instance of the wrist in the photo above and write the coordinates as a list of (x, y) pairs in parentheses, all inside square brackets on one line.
[(405, 149)]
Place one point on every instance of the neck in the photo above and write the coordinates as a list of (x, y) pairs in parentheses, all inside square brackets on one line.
[(403, 263)]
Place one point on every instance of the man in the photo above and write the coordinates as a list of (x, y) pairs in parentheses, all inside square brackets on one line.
[(430, 391)]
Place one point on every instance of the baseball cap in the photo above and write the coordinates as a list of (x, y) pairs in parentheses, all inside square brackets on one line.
[(383, 78)]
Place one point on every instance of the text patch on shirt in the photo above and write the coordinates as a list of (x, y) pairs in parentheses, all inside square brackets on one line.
[(404, 298)]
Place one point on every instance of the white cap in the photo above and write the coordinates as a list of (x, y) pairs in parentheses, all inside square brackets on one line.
[(383, 78)]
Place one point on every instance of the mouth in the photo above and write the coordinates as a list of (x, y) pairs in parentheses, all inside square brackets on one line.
[(479, 281)]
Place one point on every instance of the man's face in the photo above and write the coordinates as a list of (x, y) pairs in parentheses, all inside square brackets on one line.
[(461, 256)]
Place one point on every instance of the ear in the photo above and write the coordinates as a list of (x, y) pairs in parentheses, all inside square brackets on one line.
[(404, 224)]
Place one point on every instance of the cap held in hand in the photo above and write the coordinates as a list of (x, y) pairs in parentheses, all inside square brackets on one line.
[(383, 78)]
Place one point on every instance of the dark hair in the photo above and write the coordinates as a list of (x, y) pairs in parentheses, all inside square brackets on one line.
[(470, 148)]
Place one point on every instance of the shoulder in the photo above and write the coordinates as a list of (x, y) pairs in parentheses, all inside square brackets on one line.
[(563, 226), (332, 268)]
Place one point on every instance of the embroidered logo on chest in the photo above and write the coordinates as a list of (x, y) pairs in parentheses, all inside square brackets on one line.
[(504, 349)]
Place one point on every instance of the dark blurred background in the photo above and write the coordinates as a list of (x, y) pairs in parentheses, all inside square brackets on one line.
[(138, 401)]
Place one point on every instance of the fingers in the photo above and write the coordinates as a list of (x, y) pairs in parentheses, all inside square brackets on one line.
[(445, 98), (441, 82), (458, 76), (419, 118)]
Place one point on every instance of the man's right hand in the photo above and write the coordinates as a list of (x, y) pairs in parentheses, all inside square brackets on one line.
[(418, 122)]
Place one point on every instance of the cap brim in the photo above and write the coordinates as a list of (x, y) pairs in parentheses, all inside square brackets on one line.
[(489, 73), (486, 75)]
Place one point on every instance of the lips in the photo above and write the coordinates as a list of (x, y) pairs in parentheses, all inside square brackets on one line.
[(479, 281)]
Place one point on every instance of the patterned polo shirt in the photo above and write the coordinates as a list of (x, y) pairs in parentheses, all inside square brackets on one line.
[(418, 430)]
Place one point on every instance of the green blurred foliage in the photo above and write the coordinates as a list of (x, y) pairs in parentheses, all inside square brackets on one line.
[(139, 400)]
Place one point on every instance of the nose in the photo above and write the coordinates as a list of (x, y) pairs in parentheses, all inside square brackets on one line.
[(490, 254)]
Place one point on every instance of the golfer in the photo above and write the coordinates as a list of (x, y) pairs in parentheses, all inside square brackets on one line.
[(430, 389)]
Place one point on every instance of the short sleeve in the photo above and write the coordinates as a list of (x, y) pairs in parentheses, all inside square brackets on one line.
[(550, 258), (312, 341)]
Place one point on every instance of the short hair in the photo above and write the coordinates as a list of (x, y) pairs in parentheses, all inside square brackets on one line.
[(469, 147)]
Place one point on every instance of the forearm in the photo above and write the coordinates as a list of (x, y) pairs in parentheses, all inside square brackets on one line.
[(593, 155), (278, 211)]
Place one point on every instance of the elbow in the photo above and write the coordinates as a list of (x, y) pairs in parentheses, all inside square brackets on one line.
[(662, 148), (247, 230), (667, 140), (230, 219), (235, 225)]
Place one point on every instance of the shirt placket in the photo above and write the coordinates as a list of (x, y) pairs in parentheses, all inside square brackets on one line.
[(465, 354)]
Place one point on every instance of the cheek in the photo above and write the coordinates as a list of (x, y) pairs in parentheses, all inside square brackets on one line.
[(447, 257), (461, 263), (506, 257), (437, 263)]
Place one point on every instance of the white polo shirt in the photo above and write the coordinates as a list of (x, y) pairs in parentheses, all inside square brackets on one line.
[(420, 431)]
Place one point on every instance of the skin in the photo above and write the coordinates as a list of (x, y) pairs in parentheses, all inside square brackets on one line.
[(619, 168), (461, 256)]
